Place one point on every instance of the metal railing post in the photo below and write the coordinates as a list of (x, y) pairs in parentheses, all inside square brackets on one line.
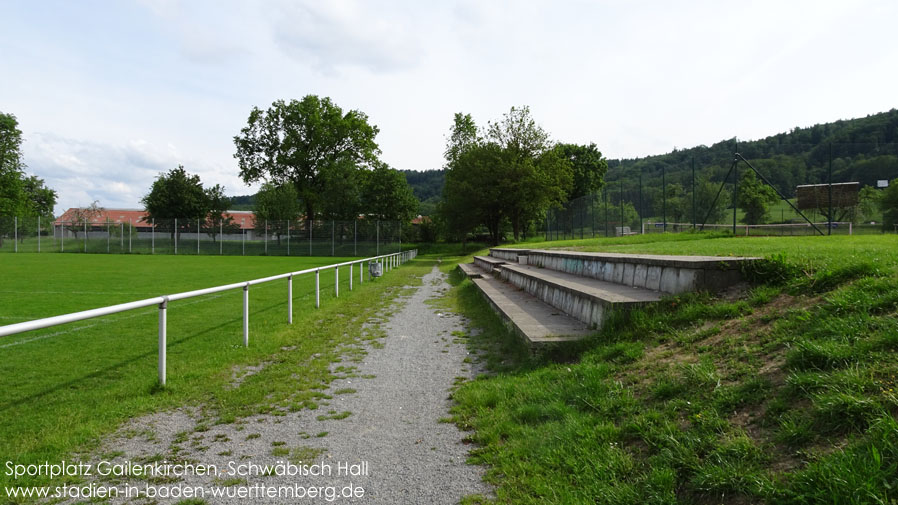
[(290, 300), (163, 307), (317, 287), (350, 276), (246, 315), (361, 272), (337, 281)]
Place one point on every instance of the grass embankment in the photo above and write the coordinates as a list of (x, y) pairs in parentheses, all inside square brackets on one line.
[(786, 394), (63, 388)]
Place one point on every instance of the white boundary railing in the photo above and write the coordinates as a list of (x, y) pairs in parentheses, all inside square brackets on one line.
[(389, 261)]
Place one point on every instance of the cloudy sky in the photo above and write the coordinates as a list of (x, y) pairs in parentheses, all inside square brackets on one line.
[(111, 93)]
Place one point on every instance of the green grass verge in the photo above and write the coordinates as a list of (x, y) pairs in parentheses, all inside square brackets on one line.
[(787, 394), (64, 388)]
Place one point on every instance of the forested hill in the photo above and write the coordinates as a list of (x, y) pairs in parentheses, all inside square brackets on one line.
[(427, 186), (862, 150)]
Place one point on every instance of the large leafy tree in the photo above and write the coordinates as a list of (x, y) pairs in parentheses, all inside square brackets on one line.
[(754, 198), (888, 204), (386, 195), (298, 142), (177, 195), (12, 198), (218, 220), (278, 207), (532, 174), (588, 168)]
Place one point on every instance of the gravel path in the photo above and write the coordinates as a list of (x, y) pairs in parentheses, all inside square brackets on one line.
[(392, 432)]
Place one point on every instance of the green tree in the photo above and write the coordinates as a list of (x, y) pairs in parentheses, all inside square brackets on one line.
[(297, 142), (588, 166), (888, 204), (754, 198), (531, 174), (278, 206), (12, 167), (386, 195), (218, 220), (82, 218), (39, 198), (705, 192), (459, 211), (868, 205), (343, 186), (176, 195)]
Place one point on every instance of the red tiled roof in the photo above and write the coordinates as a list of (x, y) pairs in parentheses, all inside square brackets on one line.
[(244, 219)]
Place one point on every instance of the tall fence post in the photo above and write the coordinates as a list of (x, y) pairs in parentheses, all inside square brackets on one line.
[(290, 300), (220, 237), (288, 238), (361, 272), (163, 307), (38, 234), (153, 237), (355, 239), (309, 221), (243, 243), (197, 236), (317, 288), (176, 236), (85, 235), (266, 236), (377, 239), (246, 315), (664, 199), (15, 227), (333, 233), (337, 281), (350, 276)]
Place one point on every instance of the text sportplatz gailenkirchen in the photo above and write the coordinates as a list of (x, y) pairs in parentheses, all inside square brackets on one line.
[(181, 469)]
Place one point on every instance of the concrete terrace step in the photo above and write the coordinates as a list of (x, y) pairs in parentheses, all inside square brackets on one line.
[(487, 263), (588, 300), (668, 274), (471, 270), (535, 321)]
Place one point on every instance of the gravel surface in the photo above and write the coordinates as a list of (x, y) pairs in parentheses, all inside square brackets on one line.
[(385, 439)]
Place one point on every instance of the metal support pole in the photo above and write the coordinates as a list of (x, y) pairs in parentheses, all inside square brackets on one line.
[(266, 237), (350, 276), (153, 237), (337, 282), (288, 238), (317, 288), (61, 238), (605, 197), (621, 203), (290, 300), (361, 272), (197, 236), (377, 240), (693, 193), (355, 238), (641, 210), (663, 198), (246, 315), (15, 227), (38, 234), (735, 193), (333, 236), (220, 237), (163, 307), (121, 243), (108, 234), (829, 224), (310, 236), (85, 235), (243, 252), (176, 236)]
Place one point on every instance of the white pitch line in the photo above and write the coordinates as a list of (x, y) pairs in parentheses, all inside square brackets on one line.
[(103, 321)]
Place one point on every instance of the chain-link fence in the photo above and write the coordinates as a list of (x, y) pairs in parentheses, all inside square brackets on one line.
[(813, 189), (193, 236)]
